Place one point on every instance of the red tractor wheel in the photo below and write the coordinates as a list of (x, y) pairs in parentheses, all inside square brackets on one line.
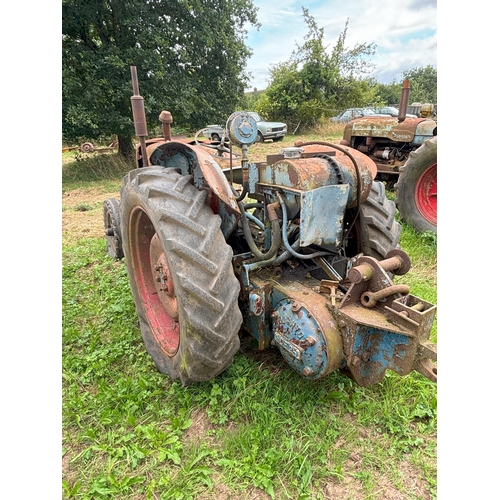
[(416, 189), (181, 275), (426, 194)]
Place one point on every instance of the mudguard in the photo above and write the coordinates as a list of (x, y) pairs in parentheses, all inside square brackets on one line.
[(196, 161)]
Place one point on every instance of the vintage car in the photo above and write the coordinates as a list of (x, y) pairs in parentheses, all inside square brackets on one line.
[(266, 130)]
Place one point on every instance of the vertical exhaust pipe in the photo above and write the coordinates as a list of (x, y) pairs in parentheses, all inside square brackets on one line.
[(403, 102), (141, 128)]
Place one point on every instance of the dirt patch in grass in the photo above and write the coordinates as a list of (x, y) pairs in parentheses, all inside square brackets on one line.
[(82, 215), (199, 428)]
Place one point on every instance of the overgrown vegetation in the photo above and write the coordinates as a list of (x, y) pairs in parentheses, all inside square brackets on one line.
[(79, 167), (189, 55), (317, 81), (191, 58), (258, 430)]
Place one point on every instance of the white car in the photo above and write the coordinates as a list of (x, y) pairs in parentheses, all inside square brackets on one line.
[(213, 132), (266, 130)]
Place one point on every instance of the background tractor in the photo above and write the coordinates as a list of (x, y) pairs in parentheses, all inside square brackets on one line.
[(405, 152), (299, 251)]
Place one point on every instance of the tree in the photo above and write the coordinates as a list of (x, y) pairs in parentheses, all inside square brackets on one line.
[(316, 81), (423, 84), (389, 93), (190, 57)]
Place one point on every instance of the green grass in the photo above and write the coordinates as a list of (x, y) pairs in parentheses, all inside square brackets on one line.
[(258, 430)]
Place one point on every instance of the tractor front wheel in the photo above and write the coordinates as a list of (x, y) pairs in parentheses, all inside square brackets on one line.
[(181, 275), (416, 189), (112, 229)]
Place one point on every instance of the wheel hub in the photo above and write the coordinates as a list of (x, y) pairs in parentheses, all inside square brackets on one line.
[(163, 278)]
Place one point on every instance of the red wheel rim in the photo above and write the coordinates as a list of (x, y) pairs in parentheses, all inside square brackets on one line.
[(426, 194), (154, 282)]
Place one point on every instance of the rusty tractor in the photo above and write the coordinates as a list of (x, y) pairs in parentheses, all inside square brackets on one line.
[(299, 251), (405, 152)]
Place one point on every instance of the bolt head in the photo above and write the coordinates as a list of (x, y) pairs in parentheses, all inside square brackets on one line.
[(356, 361)]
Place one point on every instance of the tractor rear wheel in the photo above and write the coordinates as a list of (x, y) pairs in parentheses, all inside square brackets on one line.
[(416, 189), (112, 229), (376, 228), (181, 275)]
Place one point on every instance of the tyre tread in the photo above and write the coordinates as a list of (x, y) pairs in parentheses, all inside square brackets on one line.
[(206, 287), (381, 231)]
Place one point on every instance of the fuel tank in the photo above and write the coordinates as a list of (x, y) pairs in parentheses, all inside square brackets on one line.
[(319, 167)]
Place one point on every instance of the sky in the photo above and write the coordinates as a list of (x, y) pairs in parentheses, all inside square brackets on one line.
[(404, 32)]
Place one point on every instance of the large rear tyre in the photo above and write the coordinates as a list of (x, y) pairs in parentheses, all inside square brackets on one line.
[(378, 232), (416, 189), (181, 275), (112, 229)]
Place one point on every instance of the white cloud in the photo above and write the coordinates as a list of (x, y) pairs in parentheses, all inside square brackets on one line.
[(404, 33)]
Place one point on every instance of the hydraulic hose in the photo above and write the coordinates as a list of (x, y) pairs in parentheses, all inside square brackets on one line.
[(254, 219), (241, 197), (253, 205), (285, 238), (275, 232)]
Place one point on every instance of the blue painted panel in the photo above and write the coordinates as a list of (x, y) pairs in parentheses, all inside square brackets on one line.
[(387, 350), (322, 215)]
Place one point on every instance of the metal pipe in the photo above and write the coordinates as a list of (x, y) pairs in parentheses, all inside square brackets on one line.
[(370, 299), (141, 128), (403, 102), (166, 119), (231, 177)]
